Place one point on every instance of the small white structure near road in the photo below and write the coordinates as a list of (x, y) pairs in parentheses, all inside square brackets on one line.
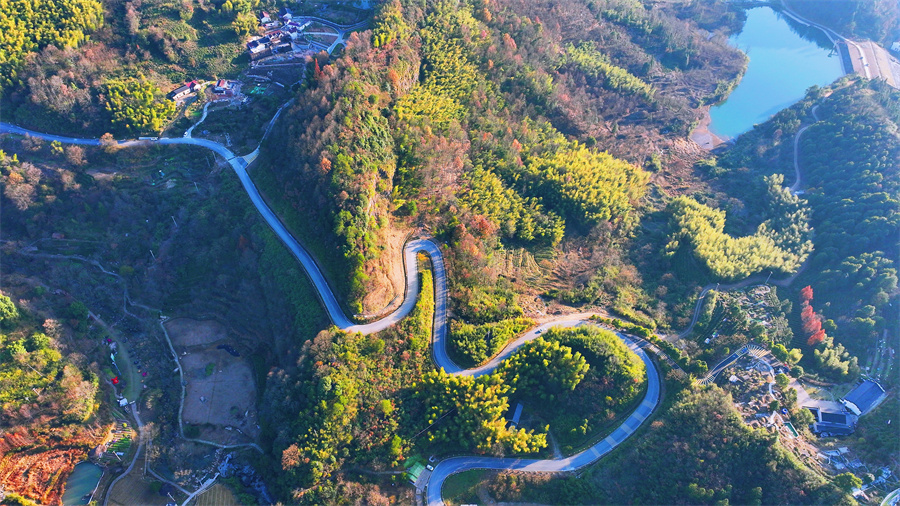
[(895, 47)]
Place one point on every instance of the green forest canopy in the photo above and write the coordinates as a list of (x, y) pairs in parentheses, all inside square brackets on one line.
[(780, 243), (703, 452), (29, 25)]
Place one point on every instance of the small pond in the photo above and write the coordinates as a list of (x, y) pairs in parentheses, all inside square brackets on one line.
[(81, 483)]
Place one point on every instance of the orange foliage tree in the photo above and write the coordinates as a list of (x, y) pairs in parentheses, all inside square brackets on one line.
[(812, 323)]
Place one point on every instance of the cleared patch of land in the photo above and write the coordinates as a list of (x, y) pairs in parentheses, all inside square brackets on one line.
[(220, 391), (186, 332), (31, 469), (217, 495)]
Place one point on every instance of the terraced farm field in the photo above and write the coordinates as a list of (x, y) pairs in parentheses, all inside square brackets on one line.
[(218, 495)]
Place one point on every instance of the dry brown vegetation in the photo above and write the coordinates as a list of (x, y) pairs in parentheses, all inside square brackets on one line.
[(37, 462)]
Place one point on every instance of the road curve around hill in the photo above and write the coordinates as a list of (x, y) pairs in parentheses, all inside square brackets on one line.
[(441, 358), (572, 463)]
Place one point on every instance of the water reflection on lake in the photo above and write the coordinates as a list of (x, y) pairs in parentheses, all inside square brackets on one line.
[(783, 64)]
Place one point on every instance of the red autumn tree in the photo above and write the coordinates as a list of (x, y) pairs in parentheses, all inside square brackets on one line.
[(806, 295), (812, 323), (816, 338), (318, 71), (807, 312)]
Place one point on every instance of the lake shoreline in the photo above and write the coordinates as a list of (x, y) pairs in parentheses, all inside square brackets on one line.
[(703, 136), (783, 64)]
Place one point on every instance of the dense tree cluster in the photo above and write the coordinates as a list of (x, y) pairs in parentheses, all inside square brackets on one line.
[(479, 305), (579, 380), (35, 376), (28, 25), (137, 106), (727, 257), (338, 405), (473, 345), (848, 165), (597, 65), (65, 82), (389, 24), (476, 106), (875, 19), (543, 370), (877, 437), (583, 184), (832, 360), (516, 217), (347, 166), (855, 194), (702, 452), (622, 372), (812, 323), (469, 413)]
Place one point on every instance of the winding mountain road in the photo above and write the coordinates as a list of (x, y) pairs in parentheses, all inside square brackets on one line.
[(572, 463), (441, 358), (797, 176)]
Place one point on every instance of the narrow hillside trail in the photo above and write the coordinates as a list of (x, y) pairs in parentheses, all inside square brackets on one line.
[(759, 279), (439, 337), (797, 176)]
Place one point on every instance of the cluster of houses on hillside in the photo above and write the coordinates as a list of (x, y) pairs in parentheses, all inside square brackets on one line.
[(860, 401), (283, 35), (184, 91), (222, 87)]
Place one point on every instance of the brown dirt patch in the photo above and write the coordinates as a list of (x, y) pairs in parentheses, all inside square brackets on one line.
[(387, 280), (186, 332), (703, 136), (220, 392)]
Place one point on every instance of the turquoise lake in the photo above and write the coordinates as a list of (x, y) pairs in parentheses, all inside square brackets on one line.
[(81, 483), (783, 64)]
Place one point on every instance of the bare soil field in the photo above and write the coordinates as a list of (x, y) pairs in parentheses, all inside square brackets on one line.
[(321, 38), (388, 281), (186, 332), (217, 495), (220, 391), (220, 394)]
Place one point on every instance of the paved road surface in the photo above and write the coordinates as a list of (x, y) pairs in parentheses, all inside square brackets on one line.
[(441, 358), (873, 62), (458, 464)]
